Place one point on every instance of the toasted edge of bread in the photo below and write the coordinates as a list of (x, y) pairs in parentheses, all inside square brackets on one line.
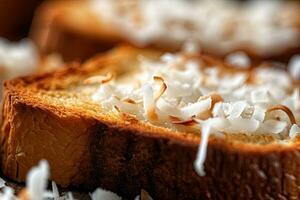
[(124, 155)]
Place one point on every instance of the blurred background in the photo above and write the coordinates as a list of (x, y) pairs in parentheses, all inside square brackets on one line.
[(59, 31)]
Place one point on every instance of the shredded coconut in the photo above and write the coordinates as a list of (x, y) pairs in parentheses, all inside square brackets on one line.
[(100, 194), (2, 183), (294, 131), (267, 103), (36, 186), (177, 94), (294, 67), (201, 155), (265, 26), (36, 181), (238, 59)]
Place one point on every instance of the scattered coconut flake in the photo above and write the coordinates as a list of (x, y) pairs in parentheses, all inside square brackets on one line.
[(2, 183), (55, 190), (196, 108), (201, 155), (191, 47), (8, 194), (294, 67), (101, 194), (99, 79), (36, 181), (238, 59), (294, 131)]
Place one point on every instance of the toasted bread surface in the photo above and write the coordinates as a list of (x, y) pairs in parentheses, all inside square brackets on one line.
[(48, 116)]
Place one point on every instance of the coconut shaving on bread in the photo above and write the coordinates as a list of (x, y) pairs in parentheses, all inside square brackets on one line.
[(184, 91), (266, 27)]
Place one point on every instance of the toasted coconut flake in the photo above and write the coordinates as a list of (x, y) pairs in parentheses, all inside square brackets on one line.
[(149, 103), (162, 88), (99, 79), (188, 122), (151, 113), (128, 100), (284, 109), (117, 109), (215, 98), (145, 195)]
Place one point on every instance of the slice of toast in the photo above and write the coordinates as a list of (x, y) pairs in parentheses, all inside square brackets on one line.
[(78, 30), (54, 117)]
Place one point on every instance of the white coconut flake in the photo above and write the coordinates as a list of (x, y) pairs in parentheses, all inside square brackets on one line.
[(196, 108), (259, 113), (37, 179), (260, 96), (2, 183), (101, 194), (55, 190), (201, 155), (8, 194), (241, 125), (239, 60), (294, 131), (294, 67), (273, 126), (237, 109)]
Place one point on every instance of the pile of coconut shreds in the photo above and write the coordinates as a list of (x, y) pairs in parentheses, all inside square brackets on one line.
[(182, 90), (36, 188), (265, 26)]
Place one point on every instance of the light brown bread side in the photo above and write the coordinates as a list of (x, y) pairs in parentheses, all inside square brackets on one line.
[(75, 32), (43, 117)]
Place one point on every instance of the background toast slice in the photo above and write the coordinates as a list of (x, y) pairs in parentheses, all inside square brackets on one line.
[(74, 30), (48, 116), (74, 33)]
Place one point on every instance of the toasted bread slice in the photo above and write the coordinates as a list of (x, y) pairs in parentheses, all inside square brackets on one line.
[(78, 30), (53, 116)]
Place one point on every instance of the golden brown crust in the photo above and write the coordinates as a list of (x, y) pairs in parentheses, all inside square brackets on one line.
[(124, 155), (72, 30)]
